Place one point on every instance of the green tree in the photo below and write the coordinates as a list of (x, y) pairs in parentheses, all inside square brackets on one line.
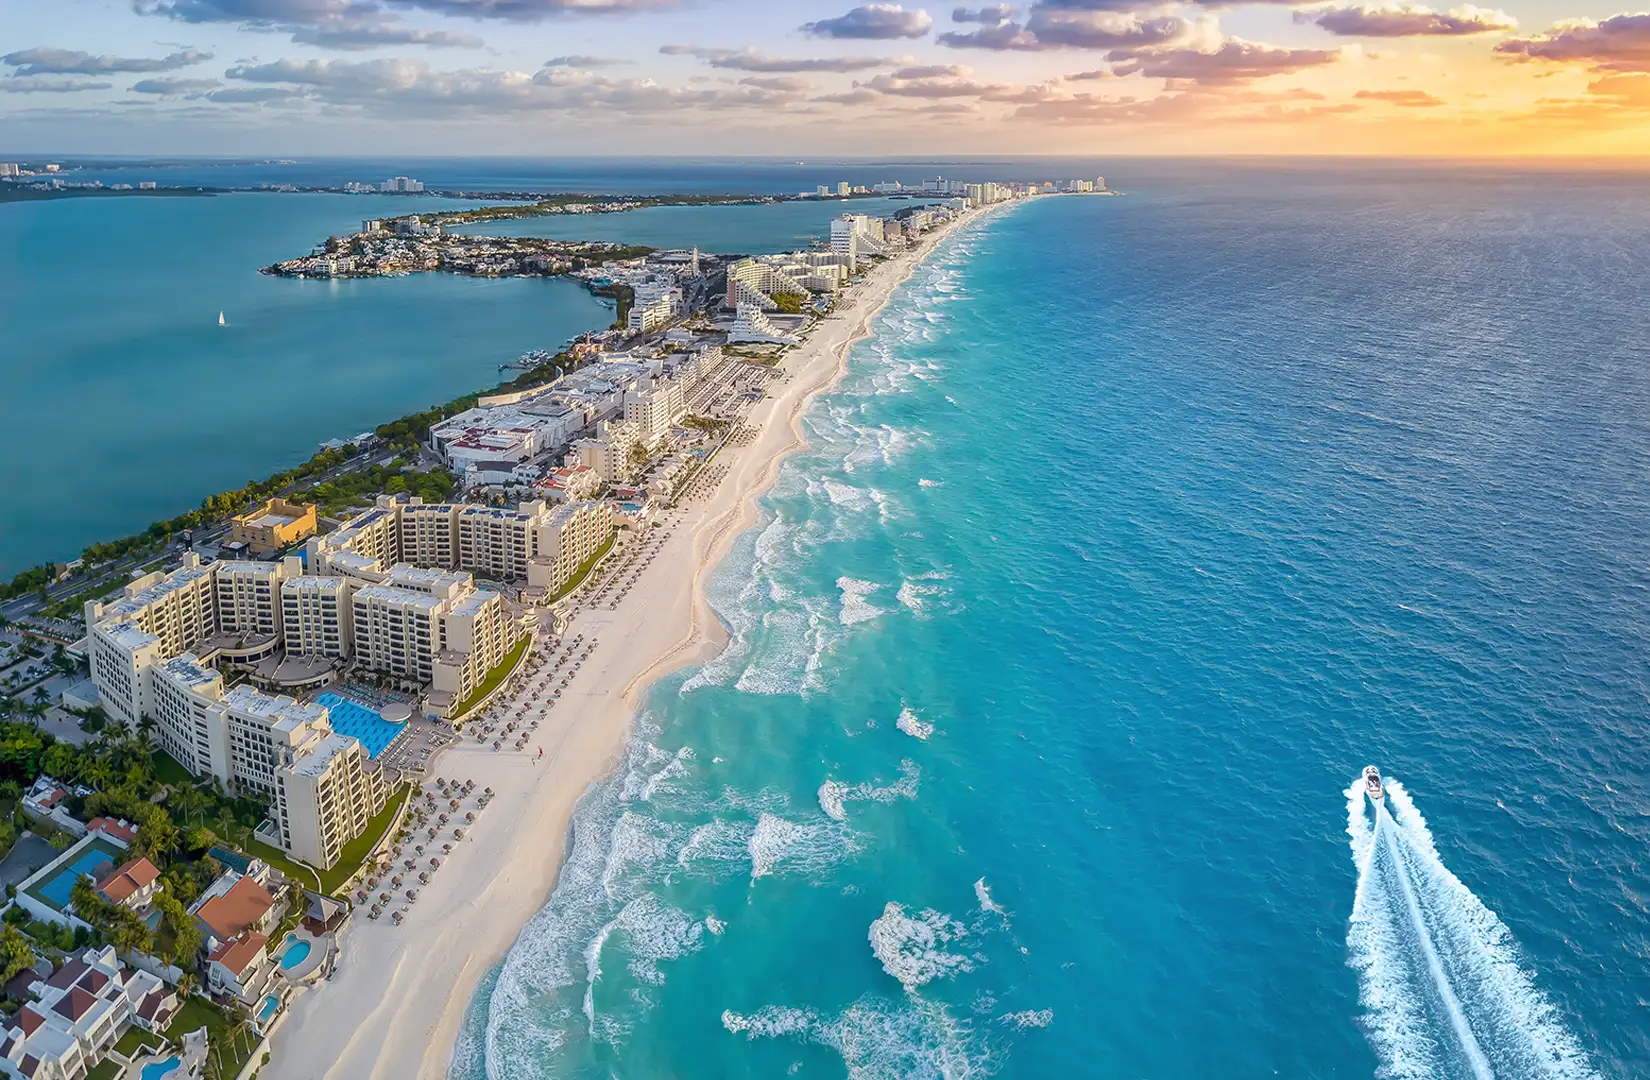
[(124, 928), (186, 934), (15, 953)]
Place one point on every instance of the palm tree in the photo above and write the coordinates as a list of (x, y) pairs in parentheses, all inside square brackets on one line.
[(98, 773)]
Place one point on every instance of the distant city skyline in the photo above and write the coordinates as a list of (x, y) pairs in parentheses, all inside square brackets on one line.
[(568, 77)]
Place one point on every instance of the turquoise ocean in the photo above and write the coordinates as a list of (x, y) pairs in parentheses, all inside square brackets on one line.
[(1138, 528)]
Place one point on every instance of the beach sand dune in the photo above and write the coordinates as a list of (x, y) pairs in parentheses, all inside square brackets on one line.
[(393, 1010)]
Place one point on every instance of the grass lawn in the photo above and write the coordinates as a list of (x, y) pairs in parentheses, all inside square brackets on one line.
[(133, 1042), (199, 1013), (168, 771), (349, 860), (104, 1070), (494, 677)]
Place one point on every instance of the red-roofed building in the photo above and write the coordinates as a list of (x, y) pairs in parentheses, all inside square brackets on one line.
[(132, 885), (121, 832), (241, 967), (229, 912)]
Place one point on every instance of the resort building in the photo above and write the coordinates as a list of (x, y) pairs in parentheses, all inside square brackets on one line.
[(751, 325), (572, 537), (325, 796), (273, 527), (316, 617), (609, 454), (653, 406)]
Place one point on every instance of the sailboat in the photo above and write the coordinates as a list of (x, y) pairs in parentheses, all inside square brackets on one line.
[(220, 318)]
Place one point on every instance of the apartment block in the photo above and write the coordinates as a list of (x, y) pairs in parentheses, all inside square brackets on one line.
[(317, 617)]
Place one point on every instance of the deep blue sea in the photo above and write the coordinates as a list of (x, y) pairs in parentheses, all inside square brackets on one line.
[(1139, 527)]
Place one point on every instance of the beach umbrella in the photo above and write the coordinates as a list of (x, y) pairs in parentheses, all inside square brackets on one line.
[(434, 862)]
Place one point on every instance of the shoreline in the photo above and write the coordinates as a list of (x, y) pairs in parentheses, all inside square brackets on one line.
[(401, 994)]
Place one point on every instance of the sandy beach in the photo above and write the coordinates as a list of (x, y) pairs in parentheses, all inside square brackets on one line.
[(394, 1008)]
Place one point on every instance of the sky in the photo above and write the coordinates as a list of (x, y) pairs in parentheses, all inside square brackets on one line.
[(712, 77)]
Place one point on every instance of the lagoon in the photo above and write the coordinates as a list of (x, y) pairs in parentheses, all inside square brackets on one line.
[(123, 400)]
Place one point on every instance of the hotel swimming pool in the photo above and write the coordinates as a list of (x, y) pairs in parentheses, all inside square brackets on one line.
[(353, 718)]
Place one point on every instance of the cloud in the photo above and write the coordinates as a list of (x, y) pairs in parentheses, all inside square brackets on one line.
[(257, 95), (412, 87), (782, 83), (1407, 20), (170, 87), (947, 81), (874, 22), (583, 62), (1233, 62), (989, 16), (749, 59), (283, 13), (1059, 27), (1409, 99), (44, 61), (1619, 43), (50, 85), (351, 37), (1197, 106)]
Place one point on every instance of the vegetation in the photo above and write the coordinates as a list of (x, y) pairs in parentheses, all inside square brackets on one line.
[(121, 927), (556, 204), (231, 1038), (494, 677), (711, 424), (624, 296), (15, 953), (790, 303), (33, 579), (352, 488)]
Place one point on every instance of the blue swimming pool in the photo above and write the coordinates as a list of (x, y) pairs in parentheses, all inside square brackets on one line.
[(295, 954), (267, 1009), (352, 718), (57, 890), (157, 1069)]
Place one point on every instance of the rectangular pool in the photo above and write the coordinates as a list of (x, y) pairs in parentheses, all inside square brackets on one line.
[(352, 718)]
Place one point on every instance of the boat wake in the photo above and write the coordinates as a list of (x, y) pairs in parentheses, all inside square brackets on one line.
[(1443, 989)]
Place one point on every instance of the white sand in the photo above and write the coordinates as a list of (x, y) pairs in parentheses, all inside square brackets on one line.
[(394, 1008)]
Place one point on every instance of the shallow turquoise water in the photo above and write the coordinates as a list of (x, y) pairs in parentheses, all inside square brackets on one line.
[(1137, 530)]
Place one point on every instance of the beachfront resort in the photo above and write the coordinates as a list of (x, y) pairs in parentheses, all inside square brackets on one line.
[(317, 661)]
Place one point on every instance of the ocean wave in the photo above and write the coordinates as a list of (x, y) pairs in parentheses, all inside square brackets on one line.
[(911, 948), (779, 844), (1028, 1018), (855, 607), (913, 724), (834, 795), (878, 1039)]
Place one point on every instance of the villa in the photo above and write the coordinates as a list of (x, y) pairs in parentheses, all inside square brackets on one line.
[(78, 1013)]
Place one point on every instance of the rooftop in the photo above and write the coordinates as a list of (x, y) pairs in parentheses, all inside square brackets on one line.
[(231, 912), (283, 713)]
